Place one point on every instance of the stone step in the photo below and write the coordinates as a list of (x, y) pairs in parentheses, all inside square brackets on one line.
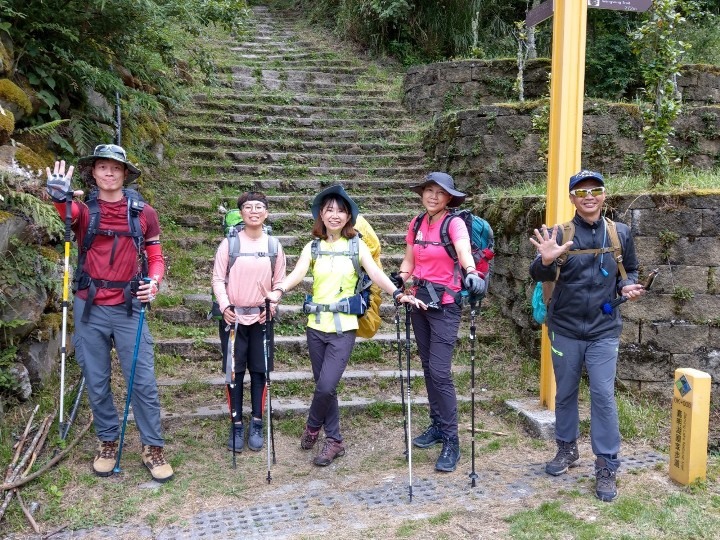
[(368, 184), (281, 70), (202, 156), (213, 168), (208, 348), (309, 64), (294, 56), (308, 111), (355, 120), (313, 88), (286, 98), (341, 147), (300, 133), (391, 199)]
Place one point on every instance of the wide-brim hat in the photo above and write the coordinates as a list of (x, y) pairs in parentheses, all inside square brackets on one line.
[(585, 174), (114, 152), (446, 182), (335, 190)]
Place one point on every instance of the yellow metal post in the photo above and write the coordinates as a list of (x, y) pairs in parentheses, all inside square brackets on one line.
[(690, 419), (567, 89)]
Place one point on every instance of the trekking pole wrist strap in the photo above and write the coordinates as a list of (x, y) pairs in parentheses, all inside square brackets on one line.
[(397, 294)]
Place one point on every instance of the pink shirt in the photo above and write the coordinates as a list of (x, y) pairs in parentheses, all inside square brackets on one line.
[(432, 263), (242, 289)]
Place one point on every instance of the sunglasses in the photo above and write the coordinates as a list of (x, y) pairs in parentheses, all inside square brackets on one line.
[(114, 150), (582, 193)]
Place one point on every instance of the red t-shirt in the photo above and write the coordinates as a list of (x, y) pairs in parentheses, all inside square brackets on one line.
[(125, 264)]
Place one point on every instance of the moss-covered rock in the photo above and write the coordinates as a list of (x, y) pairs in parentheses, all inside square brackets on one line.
[(7, 125), (29, 159), (13, 98)]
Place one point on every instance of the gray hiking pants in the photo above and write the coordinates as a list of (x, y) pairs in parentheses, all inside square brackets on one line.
[(110, 326), (329, 355), (436, 332), (600, 360)]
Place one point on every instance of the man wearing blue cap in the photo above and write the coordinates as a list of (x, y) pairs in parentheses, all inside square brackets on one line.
[(589, 274)]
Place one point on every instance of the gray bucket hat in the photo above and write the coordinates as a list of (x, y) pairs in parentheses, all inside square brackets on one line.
[(446, 182), (335, 190), (114, 152)]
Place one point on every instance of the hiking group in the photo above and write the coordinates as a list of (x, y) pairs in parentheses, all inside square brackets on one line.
[(445, 265)]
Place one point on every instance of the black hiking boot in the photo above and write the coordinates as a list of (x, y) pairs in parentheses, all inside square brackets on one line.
[(432, 435), (449, 455), (605, 482), (567, 456), (255, 437), (238, 433)]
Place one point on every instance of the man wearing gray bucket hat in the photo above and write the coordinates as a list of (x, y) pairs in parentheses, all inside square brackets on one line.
[(119, 269), (436, 283)]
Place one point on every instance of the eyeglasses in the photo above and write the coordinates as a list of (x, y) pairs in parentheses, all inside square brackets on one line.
[(110, 150), (253, 207), (582, 193)]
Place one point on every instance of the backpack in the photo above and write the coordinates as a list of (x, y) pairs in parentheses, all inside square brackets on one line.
[(482, 243), (369, 323), (81, 279), (543, 291), (358, 303), (232, 225)]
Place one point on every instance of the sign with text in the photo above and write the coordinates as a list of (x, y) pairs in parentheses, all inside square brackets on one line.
[(545, 10), (689, 426), (621, 5)]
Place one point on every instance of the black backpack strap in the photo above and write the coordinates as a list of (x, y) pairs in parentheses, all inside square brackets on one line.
[(445, 237)]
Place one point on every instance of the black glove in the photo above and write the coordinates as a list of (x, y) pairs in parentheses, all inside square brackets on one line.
[(475, 284), (57, 187), (397, 280)]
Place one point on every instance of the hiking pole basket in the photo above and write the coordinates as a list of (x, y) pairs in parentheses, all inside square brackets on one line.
[(141, 320), (402, 376), (266, 393), (409, 401), (473, 474), (66, 294)]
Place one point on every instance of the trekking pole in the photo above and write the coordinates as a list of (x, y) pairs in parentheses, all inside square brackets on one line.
[(473, 474), (66, 294), (408, 431), (73, 412), (266, 392), (230, 384), (141, 320), (402, 377)]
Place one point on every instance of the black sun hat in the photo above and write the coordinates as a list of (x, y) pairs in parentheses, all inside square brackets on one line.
[(335, 190), (446, 182)]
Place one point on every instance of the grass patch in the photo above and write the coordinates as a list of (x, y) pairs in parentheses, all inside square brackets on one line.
[(549, 520)]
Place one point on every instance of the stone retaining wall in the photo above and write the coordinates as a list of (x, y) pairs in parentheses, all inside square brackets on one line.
[(677, 324), (506, 144), (434, 88)]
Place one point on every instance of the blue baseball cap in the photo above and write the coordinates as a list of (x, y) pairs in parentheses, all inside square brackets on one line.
[(576, 178)]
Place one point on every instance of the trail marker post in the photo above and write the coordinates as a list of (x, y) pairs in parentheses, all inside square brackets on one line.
[(567, 92), (689, 426)]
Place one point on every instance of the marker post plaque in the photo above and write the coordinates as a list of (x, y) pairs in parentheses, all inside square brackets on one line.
[(689, 426)]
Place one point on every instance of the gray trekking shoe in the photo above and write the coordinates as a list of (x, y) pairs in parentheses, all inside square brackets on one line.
[(605, 481), (431, 436), (237, 432), (255, 438), (567, 456)]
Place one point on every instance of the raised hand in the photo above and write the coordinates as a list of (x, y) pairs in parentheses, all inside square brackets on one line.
[(546, 243), (58, 182)]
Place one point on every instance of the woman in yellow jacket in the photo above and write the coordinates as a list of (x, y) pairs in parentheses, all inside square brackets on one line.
[(331, 333)]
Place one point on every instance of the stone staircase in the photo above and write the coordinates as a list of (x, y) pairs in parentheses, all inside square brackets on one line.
[(297, 113)]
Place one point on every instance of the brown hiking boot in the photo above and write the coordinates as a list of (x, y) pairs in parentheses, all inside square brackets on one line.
[(154, 459), (308, 438), (105, 458), (330, 451)]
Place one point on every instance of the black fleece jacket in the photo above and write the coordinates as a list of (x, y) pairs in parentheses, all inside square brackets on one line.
[(575, 309)]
